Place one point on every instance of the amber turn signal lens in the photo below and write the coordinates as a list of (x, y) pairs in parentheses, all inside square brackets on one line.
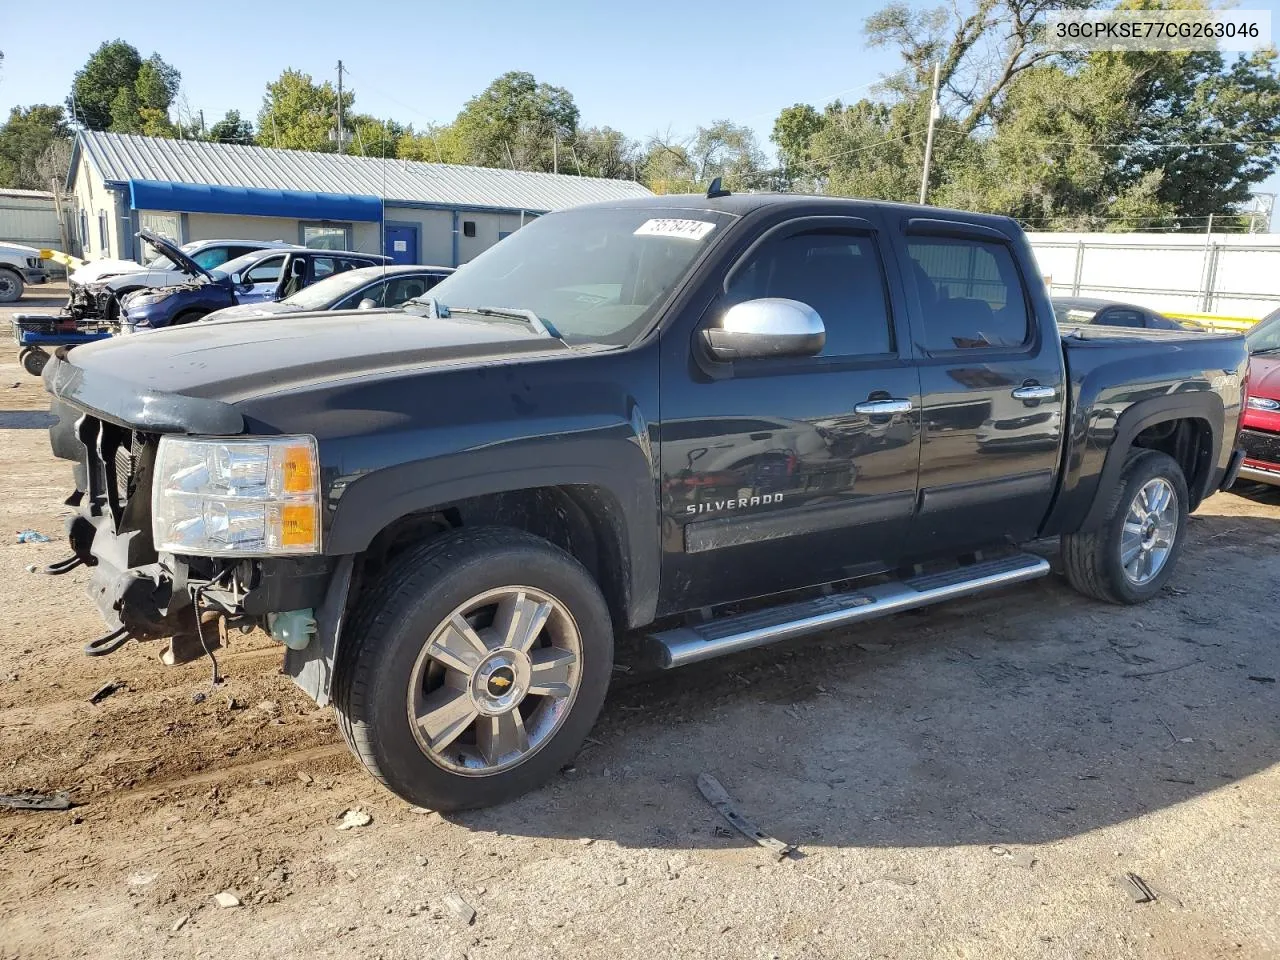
[(299, 470), (298, 525)]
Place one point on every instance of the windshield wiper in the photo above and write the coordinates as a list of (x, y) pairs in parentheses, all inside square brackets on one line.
[(434, 307), (1262, 350), (535, 322)]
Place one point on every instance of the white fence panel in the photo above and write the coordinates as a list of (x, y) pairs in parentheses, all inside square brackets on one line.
[(1229, 274)]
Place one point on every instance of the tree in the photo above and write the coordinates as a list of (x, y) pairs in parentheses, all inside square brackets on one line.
[(299, 114), (793, 132), (119, 91), (371, 137), (668, 166), (1097, 141), (724, 149), (980, 49), (516, 122), (731, 152), (232, 129), (26, 140), (603, 152), (437, 144)]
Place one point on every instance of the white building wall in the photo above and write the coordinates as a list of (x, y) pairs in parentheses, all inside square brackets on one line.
[(1226, 274), (97, 203), (435, 232)]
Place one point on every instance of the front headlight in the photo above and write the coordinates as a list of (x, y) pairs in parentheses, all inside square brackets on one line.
[(136, 300), (1262, 403), (253, 496)]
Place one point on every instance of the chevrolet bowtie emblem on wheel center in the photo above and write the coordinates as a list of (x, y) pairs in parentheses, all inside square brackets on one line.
[(500, 681)]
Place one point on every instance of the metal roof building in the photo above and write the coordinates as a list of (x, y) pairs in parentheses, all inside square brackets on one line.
[(416, 212)]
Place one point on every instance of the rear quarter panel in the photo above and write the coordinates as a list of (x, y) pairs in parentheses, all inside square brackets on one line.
[(1110, 373)]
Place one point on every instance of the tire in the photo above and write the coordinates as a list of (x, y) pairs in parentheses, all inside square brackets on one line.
[(11, 286), (191, 316), (34, 360), (113, 305), (1095, 561), (387, 669)]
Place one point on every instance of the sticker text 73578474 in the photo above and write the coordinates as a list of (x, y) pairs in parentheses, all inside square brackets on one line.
[(671, 227)]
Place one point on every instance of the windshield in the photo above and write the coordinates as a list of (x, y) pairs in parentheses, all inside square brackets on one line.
[(595, 275), (162, 262), (321, 294), (1265, 336)]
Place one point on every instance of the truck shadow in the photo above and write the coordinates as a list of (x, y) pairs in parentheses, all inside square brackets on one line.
[(1020, 717), (26, 419)]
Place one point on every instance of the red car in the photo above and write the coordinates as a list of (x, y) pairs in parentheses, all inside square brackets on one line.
[(1260, 430)]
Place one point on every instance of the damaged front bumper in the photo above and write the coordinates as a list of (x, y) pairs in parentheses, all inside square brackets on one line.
[(110, 430)]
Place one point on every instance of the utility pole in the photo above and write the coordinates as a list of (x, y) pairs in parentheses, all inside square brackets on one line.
[(935, 110), (202, 130), (1206, 271), (555, 150), (341, 132)]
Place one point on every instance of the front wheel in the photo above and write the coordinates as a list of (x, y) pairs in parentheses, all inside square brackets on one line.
[(1131, 555), (10, 287), (474, 669)]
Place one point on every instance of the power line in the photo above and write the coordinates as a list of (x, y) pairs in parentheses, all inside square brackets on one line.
[(1141, 143)]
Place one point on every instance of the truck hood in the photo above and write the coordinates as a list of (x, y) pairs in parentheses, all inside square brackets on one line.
[(96, 270), (19, 249), (232, 362), (176, 254)]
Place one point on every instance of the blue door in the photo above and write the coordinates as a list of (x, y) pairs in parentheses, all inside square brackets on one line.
[(402, 244)]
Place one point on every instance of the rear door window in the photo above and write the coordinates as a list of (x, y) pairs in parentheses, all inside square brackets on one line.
[(402, 289), (970, 292)]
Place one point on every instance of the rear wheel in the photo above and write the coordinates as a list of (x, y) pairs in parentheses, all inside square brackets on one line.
[(11, 286), (1131, 555), (474, 669)]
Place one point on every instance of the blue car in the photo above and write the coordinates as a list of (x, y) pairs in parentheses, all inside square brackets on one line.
[(257, 277)]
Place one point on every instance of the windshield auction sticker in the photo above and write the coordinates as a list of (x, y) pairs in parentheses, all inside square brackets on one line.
[(1084, 30), (682, 229)]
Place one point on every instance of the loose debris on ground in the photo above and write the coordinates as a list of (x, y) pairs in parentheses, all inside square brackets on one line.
[(36, 801), (1138, 889), (719, 798), (354, 818)]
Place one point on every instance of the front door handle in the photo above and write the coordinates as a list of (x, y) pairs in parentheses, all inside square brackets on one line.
[(1035, 391), (883, 407)]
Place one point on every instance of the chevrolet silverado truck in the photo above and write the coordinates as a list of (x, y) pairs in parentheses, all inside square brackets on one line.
[(705, 423)]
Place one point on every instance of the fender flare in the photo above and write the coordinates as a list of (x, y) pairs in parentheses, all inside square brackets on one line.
[(618, 465), (1202, 405)]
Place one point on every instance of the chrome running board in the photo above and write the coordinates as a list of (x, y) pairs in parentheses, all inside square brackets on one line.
[(684, 645)]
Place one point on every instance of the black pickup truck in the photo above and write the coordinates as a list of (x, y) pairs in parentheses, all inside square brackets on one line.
[(708, 422)]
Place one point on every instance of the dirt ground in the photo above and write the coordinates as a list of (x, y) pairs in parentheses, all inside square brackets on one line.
[(972, 781)]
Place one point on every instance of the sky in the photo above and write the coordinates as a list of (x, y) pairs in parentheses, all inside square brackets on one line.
[(655, 68)]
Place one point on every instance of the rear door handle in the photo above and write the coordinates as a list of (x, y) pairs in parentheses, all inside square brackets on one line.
[(1034, 391), (883, 407)]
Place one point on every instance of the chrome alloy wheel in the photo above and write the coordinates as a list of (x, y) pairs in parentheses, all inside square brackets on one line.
[(1150, 528), (495, 681)]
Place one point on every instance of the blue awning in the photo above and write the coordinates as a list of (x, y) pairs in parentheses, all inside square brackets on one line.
[(252, 201)]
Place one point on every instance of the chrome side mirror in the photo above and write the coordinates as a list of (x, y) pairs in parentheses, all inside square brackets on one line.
[(366, 304), (769, 327)]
